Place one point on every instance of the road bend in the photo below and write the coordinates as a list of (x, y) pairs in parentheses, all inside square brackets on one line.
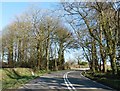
[(64, 81)]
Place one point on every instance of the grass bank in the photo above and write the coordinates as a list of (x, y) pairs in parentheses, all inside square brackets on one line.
[(108, 79), (13, 78)]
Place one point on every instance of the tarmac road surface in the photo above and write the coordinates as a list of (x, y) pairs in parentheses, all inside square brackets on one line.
[(64, 81)]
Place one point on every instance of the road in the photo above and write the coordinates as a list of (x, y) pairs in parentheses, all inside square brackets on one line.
[(64, 81)]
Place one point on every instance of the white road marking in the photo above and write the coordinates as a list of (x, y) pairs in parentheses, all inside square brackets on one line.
[(88, 88), (68, 83), (71, 87)]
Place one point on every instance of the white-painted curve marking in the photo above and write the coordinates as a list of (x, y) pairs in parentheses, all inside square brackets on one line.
[(68, 83)]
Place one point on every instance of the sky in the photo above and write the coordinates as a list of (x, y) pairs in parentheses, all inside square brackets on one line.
[(11, 9)]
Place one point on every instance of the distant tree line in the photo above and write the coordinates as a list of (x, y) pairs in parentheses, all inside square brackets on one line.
[(96, 27), (36, 39)]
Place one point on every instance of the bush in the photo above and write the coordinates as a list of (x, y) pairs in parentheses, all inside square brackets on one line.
[(23, 64), (83, 63)]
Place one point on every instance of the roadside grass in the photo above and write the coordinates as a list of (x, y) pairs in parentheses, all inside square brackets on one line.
[(12, 78), (108, 79)]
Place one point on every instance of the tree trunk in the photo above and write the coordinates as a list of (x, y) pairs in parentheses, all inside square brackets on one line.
[(61, 56), (104, 66), (113, 61), (103, 57), (102, 53), (100, 65), (94, 57), (113, 65), (56, 68), (19, 50), (10, 56), (47, 53), (88, 58), (38, 56)]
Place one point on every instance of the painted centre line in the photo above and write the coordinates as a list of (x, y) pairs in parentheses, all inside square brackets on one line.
[(68, 83)]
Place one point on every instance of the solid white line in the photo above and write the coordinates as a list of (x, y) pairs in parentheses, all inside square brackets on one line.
[(64, 76), (88, 88), (68, 83)]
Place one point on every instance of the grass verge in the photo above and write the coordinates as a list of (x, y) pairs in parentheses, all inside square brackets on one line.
[(108, 79), (12, 78)]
